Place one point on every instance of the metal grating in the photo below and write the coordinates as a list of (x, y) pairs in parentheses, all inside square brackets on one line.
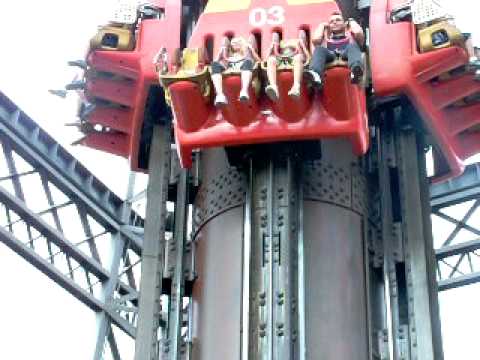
[(456, 207), (69, 225)]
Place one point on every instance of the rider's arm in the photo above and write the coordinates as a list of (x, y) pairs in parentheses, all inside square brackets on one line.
[(157, 59), (305, 51), (319, 34), (253, 53), (223, 52), (357, 32)]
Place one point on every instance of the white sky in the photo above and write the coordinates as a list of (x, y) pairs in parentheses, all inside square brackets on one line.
[(39, 319)]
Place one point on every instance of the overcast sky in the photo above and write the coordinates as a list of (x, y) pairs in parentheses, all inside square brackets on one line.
[(39, 319)]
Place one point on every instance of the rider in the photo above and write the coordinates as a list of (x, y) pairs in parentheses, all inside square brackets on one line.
[(292, 53), (235, 54), (337, 38)]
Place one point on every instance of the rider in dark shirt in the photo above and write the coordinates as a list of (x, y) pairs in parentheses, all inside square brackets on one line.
[(236, 54), (337, 39)]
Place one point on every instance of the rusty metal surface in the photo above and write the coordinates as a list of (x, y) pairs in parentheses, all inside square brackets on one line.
[(222, 188), (335, 286), (217, 293), (333, 278), (342, 185), (335, 296), (218, 289)]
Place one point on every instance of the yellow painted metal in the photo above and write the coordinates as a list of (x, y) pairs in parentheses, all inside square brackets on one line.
[(306, 2), (215, 6), (125, 42), (455, 37), (189, 71)]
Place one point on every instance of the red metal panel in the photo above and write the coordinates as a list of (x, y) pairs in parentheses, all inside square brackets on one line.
[(134, 73), (238, 23), (339, 111), (407, 71)]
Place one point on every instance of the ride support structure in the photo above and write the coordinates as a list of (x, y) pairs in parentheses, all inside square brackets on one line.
[(301, 226), (297, 258)]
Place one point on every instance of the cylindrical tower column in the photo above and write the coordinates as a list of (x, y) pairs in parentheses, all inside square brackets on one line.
[(280, 258), (334, 194)]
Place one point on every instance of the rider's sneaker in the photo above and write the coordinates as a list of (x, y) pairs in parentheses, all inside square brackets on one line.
[(474, 63), (76, 85), (315, 78), (82, 64), (272, 92), (244, 97), (220, 100), (294, 92), (356, 73)]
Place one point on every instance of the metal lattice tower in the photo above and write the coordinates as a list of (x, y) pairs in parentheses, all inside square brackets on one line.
[(56, 214), (34, 166)]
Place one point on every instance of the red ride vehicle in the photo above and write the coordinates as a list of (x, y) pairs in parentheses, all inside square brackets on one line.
[(427, 62), (436, 79), (339, 110)]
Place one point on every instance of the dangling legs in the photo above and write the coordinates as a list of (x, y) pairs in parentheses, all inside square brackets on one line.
[(474, 61), (246, 77), (355, 63), (272, 88), (321, 55), (217, 79), (297, 75)]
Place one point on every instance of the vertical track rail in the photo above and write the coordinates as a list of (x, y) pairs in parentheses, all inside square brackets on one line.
[(146, 345), (247, 263), (174, 348), (271, 278), (411, 326), (269, 249), (301, 279), (384, 143)]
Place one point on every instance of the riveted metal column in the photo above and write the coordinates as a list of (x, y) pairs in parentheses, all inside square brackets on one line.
[(104, 329), (295, 252), (146, 344), (334, 194), (406, 322), (424, 319)]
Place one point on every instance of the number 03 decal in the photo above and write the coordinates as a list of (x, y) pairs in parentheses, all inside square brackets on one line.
[(271, 16)]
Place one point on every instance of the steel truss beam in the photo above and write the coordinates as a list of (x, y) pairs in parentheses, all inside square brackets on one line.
[(403, 293), (457, 190), (458, 263), (58, 216)]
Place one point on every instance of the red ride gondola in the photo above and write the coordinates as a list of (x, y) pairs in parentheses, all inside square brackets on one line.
[(436, 81), (338, 111)]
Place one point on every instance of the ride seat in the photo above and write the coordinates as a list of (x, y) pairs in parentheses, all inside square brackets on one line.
[(339, 111), (114, 37), (191, 67), (438, 36), (339, 62), (428, 62), (256, 83)]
